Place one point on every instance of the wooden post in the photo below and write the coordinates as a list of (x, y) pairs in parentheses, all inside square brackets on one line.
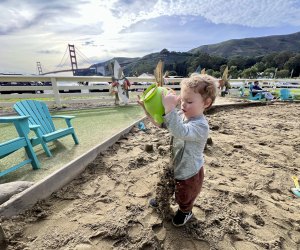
[(55, 91)]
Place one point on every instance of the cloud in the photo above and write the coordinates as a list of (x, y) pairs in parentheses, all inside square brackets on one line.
[(21, 15), (94, 17), (47, 51), (35, 30), (251, 13), (131, 8)]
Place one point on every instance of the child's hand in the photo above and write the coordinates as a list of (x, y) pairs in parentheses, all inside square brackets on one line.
[(170, 101), (141, 103)]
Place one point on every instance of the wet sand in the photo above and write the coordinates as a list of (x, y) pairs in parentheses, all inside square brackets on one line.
[(245, 202)]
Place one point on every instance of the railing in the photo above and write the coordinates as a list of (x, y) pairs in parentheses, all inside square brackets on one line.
[(59, 95)]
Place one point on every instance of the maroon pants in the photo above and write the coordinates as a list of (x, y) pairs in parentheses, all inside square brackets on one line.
[(186, 191)]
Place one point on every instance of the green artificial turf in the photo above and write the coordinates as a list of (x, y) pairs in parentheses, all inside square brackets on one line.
[(92, 127)]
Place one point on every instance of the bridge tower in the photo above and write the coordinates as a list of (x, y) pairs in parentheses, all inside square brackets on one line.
[(39, 67), (73, 58)]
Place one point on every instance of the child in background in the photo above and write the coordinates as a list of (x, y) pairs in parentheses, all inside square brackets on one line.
[(114, 90), (189, 129), (242, 90), (126, 85)]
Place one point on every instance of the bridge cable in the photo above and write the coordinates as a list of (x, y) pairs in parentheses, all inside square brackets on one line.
[(60, 65), (84, 57)]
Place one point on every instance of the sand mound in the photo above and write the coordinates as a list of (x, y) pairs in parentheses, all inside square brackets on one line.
[(245, 202)]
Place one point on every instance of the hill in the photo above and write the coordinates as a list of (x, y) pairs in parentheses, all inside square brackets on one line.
[(136, 66), (251, 47), (183, 62), (174, 61)]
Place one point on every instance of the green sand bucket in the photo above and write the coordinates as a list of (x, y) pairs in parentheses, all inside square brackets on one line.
[(153, 102)]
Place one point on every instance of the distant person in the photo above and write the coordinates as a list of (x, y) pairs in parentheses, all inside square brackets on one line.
[(189, 129), (114, 90), (256, 89), (242, 90), (224, 87), (126, 85)]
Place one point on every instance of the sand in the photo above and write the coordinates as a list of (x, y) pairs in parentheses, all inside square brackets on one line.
[(245, 202)]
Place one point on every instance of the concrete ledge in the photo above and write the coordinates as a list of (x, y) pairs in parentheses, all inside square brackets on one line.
[(216, 107), (44, 188)]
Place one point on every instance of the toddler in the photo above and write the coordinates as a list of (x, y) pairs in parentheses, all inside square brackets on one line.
[(189, 130)]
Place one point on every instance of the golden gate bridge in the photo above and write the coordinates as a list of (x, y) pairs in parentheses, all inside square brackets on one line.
[(74, 65)]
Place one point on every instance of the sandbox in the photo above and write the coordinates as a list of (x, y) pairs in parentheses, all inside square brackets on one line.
[(245, 203)]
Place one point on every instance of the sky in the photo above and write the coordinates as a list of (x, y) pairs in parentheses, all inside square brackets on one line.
[(34, 31)]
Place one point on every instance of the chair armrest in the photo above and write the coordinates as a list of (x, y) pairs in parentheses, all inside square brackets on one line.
[(34, 127), (20, 123), (66, 117), (11, 119), (63, 116)]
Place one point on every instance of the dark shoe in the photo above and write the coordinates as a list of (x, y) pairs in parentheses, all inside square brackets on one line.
[(153, 203), (181, 218)]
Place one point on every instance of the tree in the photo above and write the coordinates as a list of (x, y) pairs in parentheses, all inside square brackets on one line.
[(233, 72), (181, 69), (250, 61), (164, 52), (260, 66), (293, 64), (216, 74), (269, 60), (210, 72), (281, 58), (284, 73), (269, 72), (202, 59), (216, 62), (250, 72), (222, 68), (238, 61)]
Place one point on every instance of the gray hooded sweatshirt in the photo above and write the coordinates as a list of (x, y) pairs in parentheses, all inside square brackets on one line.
[(189, 139)]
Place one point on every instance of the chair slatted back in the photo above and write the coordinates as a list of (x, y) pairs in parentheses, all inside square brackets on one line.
[(285, 94), (38, 112)]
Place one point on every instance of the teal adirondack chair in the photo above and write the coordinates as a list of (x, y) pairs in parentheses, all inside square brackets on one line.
[(8, 147), (41, 123), (258, 96), (285, 95)]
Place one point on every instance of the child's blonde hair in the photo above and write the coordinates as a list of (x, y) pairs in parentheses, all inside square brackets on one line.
[(205, 85)]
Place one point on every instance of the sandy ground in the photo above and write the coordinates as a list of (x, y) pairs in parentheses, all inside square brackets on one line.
[(245, 203)]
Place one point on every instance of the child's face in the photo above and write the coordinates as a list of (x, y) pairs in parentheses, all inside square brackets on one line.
[(192, 104)]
